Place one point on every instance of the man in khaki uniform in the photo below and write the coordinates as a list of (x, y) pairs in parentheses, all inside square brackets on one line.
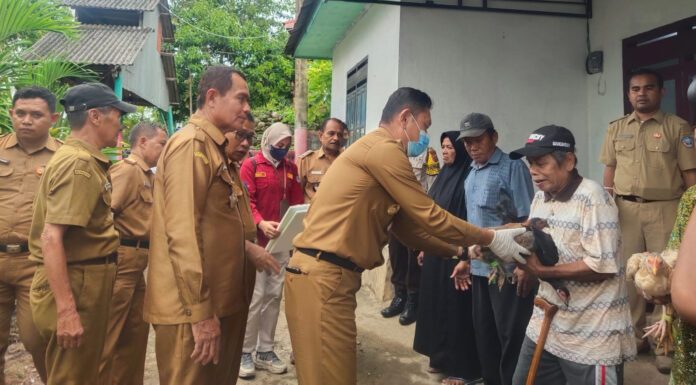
[(73, 238), (313, 164), (23, 156), (131, 202), (650, 160), (197, 294), (369, 188)]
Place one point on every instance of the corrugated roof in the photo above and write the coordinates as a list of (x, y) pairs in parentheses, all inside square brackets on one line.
[(97, 44), (133, 5)]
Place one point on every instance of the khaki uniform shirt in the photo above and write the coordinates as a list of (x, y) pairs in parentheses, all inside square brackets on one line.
[(131, 199), (20, 173), (201, 219), (311, 168), (75, 191), (368, 188), (649, 156)]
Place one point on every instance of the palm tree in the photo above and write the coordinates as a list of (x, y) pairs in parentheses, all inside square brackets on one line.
[(21, 24)]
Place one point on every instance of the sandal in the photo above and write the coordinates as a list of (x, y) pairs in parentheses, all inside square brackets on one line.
[(454, 381)]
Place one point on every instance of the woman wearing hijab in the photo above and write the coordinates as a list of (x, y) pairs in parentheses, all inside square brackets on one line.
[(444, 329), (273, 185)]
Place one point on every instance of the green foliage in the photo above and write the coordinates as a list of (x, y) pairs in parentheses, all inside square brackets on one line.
[(247, 34), (21, 24), (318, 92)]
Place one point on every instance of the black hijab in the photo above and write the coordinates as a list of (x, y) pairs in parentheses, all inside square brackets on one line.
[(448, 189)]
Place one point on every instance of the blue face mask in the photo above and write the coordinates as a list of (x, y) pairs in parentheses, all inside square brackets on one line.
[(278, 153), (417, 148)]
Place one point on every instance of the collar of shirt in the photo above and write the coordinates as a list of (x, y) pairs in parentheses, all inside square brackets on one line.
[(658, 117), (93, 151), (260, 159), (209, 128), (567, 192), (49, 145), (494, 159), (140, 162)]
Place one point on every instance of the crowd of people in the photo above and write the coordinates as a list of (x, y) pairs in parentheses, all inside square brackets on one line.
[(195, 211)]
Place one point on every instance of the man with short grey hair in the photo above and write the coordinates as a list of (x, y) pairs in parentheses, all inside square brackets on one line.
[(498, 191)]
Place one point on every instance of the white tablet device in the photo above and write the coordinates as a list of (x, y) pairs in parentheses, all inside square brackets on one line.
[(291, 225)]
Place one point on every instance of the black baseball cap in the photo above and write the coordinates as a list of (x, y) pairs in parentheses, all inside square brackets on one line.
[(82, 97), (546, 140), (473, 125)]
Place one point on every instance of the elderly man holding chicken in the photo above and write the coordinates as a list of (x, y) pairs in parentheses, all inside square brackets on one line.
[(591, 334)]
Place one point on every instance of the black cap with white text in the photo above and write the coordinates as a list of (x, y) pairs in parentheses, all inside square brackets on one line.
[(546, 140)]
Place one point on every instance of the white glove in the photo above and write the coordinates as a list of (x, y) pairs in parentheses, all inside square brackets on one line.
[(505, 247)]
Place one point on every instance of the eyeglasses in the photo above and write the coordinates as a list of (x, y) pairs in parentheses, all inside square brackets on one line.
[(242, 135)]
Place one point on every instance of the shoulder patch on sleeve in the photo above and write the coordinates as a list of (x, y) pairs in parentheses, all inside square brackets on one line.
[(305, 154), (202, 156), (687, 141)]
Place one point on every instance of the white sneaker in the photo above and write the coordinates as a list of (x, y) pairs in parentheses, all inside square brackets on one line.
[(246, 367), (270, 361)]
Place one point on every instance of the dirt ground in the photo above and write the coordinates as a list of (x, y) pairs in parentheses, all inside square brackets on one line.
[(385, 356)]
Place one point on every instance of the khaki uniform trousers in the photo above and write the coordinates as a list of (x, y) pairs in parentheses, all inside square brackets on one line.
[(91, 286), (174, 345), (123, 360), (16, 273), (644, 227), (320, 308)]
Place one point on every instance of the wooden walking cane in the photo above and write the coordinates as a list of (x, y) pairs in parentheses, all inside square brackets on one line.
[(549, 311)]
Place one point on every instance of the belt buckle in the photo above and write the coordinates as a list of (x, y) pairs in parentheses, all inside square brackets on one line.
[(13, 248)]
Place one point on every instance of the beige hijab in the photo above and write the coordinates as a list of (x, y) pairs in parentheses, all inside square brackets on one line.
[(271, 136)]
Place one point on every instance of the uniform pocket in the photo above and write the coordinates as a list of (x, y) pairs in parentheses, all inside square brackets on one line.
[(146, 195), (658, 154), (624, 145), (6, 170)]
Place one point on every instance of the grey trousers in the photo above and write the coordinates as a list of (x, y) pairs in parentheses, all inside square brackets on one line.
[(557, 371)]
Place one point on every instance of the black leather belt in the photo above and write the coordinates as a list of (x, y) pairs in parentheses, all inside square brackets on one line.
[(109, 259), (332, 258), (634, 198), (15, 248), (135, 243)]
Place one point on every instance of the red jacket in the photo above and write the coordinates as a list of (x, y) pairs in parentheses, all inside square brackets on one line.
[(267, 186)]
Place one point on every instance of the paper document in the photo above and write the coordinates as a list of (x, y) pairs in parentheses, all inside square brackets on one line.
[(291, 225)]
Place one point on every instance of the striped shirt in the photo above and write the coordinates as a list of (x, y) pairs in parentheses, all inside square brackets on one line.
[(497, 192), (595, 328)]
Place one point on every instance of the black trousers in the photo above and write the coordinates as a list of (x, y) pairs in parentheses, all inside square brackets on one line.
[(405, 270), (500, 323)]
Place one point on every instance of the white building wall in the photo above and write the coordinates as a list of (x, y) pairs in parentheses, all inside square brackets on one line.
[(612, 22), (375, 35), (523, 71)]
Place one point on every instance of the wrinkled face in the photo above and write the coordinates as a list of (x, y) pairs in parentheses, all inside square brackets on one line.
[(644, 93), (482, 147), (448, 153), (331, 138), (107, 124), (31, 119), (548, 175), (230, 111), (152, 147)]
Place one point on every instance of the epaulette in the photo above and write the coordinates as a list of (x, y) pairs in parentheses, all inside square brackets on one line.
[(59, 140), (200, 134), (623, 117), (304, 155), (130, 161)]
